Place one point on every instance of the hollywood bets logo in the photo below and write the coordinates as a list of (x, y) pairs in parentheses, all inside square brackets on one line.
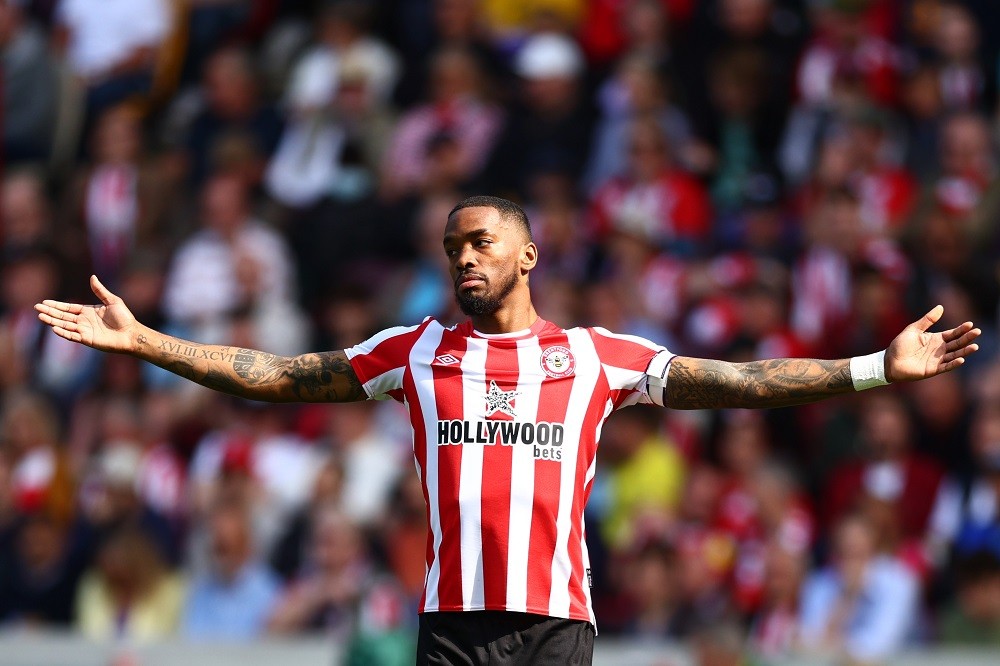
[(544, 438)]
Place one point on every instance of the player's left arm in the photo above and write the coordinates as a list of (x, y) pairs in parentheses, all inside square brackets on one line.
[(916, 353)]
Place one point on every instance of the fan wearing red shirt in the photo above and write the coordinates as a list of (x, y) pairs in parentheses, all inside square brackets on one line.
[(506, 410)]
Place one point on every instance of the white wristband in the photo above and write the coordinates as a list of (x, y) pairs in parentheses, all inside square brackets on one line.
[(868, 371)]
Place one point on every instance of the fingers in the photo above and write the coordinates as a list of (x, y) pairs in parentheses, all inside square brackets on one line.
[(47, 305), (69, 335), (959, 354), (929, 319), (956, 332), (54, 313), (68, 324), (967, 338), (101, 291)]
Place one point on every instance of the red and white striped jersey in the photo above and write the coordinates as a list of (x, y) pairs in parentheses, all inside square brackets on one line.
[(505, 432)]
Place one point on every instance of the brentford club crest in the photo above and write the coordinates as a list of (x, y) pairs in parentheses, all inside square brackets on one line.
[(558, 362)]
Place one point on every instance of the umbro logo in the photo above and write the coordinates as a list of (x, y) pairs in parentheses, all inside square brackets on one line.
[(445, 359)]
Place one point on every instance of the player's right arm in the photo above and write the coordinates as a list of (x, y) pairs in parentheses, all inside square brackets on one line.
[(247, 373)]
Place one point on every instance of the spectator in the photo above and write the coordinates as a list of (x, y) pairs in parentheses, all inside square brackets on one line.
[(325, 596), (645, 478), (863, 606), (652, 585), (129, 594), (111, 46), (254, 460), (233, 599), (116, 204), (956, 40), (29, 100), (231, 106), (372, 462), (890, 470), (975, 619), (40, 474), (40, 572), (635, 91), (774, 628), (110, 503), (26, 215), (234, 260), (970, 505), (552, 124), (456, 118), (653, 199)]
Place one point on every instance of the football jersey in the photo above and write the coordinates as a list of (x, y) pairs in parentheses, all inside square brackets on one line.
[(505, 433)]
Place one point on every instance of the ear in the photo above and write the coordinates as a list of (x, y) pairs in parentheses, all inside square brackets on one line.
[(529, 257)]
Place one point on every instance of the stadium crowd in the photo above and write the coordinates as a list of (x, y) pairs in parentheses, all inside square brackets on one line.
[(730, 178)]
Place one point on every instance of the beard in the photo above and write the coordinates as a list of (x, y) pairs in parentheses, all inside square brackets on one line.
[(473, 305)]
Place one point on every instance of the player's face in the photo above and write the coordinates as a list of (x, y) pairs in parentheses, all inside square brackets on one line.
[(486, 255)]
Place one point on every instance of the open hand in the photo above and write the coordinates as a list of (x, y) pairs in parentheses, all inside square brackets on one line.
[(917, 354), (108, 327)]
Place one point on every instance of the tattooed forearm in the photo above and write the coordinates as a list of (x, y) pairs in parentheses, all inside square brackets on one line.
[(695, 383), (248, 373)]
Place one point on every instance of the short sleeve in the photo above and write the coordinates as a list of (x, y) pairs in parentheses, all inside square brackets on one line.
[(380, 361), (627, 361)]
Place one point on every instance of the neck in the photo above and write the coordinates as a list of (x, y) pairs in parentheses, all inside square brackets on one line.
[(516, 316)]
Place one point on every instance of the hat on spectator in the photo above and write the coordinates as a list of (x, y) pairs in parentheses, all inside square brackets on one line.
[(549, 56)]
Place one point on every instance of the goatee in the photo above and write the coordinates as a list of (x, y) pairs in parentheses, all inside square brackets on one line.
[(474, 305)]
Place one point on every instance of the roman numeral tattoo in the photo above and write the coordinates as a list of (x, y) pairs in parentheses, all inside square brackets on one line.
[(248, 373)]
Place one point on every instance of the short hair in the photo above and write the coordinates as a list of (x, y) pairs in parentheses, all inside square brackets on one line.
[(508, 210)]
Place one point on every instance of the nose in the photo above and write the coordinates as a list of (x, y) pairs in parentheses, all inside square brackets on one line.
[(466, 257)]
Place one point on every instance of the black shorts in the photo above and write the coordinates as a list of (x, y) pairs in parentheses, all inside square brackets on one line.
[(502, 638)]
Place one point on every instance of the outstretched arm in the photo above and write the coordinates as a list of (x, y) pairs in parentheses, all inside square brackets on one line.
[(247, 373), (695, 383)]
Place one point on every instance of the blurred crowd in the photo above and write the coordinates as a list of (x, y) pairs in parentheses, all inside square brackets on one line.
[(737, 179)]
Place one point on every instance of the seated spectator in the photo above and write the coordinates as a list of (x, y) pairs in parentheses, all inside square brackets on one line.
[(962, 77), (129, 594), (110, 502), (862, 606), (456, 113), (967, 506), (39, 469), (651, 583), (653, 199), (254, 459), (326, 595), (234, 598), (291, 551), (29, 83), (115, 204), (552, 123), (39, 572), (372, 461), (25, 212), (344, 40), (635, 91), (890, 469), (974, 618), (112, 45), (645, 477), (209, 276), (404, 532), (774, 626), (231, 106)]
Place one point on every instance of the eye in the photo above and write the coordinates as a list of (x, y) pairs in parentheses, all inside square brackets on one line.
[(483, 242)]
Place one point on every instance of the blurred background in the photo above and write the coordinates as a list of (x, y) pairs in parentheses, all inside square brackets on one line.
[(733, 178)]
